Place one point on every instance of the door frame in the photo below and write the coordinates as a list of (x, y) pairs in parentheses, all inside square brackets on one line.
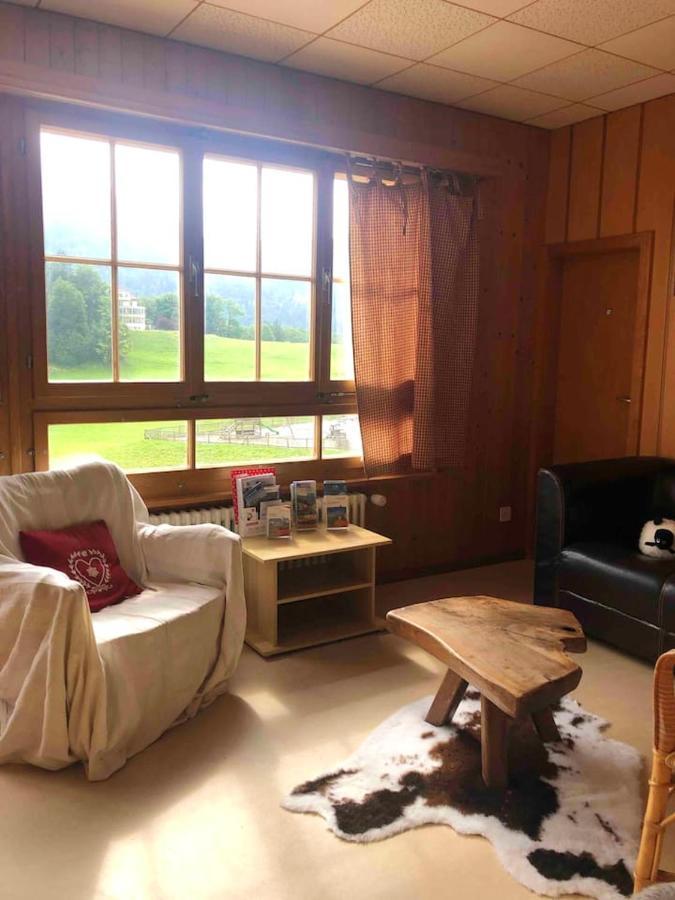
[(558, 254)]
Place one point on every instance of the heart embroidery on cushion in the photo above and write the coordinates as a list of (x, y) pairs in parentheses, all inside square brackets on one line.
[(91, 569)]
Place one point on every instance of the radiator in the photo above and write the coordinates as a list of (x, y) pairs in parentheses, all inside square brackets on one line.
[(223, 515), (217, 515)]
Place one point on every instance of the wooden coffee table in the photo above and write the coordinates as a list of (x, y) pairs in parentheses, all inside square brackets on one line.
[(514, 654)]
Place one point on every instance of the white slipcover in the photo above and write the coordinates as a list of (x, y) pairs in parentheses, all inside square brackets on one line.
[(99, 688)]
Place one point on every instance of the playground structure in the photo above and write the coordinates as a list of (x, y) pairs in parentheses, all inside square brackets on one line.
[(256, 432)]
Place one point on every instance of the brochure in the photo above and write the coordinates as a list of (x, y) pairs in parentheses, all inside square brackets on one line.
[(336, 512), (271, 497), (333, 487), (235, 474), (304, 503), (252, 488), (278, 521)]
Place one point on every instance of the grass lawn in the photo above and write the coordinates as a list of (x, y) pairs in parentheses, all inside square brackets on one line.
[(154, 356), (125, 444)]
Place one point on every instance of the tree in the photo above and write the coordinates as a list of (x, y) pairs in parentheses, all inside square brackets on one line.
[(223, 316), (215, 316), (162, 312), (79, 317), (68, 340)]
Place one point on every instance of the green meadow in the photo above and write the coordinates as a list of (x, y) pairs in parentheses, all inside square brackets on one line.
[(154, 356)]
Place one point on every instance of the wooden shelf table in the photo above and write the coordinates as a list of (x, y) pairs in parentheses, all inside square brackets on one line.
[(315, 588)]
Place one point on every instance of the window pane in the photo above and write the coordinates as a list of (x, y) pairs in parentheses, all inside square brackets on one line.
[(341, 229), (287, 222), (229, 328), (75, 196), (147, 191), (148, 315), (135, 446), (341, 436), (341, 350), (285, 311), (227, 442), (230, 215), (79, 343)]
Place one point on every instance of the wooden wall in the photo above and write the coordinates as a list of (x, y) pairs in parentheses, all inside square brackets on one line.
[(612, 175), (437, 522)]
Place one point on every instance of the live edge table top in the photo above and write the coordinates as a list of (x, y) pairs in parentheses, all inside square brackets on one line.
[(514, 653)]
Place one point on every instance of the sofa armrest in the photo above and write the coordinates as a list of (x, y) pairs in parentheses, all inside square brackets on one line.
[(604, 500), (205, 554), (34, 602), (198, 553)]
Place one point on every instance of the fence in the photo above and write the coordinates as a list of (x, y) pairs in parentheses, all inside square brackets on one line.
[(220, 437)]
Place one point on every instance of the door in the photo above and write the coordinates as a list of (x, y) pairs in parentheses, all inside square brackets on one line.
[(596, 374)]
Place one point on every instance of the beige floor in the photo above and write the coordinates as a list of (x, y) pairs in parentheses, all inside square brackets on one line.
[(197, 814)]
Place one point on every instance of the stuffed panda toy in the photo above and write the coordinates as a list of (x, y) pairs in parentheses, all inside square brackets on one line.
[(657, 538)]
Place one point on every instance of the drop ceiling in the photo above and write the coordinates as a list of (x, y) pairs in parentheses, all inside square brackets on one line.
[(547, 62)]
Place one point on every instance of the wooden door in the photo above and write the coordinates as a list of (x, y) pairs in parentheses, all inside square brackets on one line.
[(596, 389)]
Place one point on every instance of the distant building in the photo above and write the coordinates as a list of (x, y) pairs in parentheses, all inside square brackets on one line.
[(130, 312)]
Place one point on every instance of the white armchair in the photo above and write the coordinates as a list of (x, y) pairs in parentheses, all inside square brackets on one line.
[(101, 687)]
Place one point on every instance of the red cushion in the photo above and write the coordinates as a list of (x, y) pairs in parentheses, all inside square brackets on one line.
[(85, 553)]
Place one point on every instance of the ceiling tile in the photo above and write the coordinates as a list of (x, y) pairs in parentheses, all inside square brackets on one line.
[(592, 22), (432, 83), (575, 112), (152, 16), (224, 29), (494, 7), (504, 51), (510, 102), (411, 28), (328, 57), (308, 14), (587, 73), (653, 45), (636, 93)]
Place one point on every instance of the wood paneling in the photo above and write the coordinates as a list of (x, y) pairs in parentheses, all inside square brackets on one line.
[(655, 213), (620, 171), (132, 72), (558, 185), (436, 522), (585, 180), (636, 175)]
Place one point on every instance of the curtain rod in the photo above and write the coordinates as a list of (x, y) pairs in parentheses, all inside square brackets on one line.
[(392, 167)]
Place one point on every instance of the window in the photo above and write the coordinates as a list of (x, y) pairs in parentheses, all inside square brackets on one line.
[(134, 446), (111, 213), (259, 271), (151, 446), (341, 436), (198, 271), (230, 442)]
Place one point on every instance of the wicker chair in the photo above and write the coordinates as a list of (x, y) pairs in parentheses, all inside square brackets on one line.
[(661, 785)]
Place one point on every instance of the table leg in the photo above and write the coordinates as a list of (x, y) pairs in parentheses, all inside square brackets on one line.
[(447, 699), (494, 729), (545, 725)]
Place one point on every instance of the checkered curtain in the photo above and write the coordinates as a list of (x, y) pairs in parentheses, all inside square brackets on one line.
[(414, 282)]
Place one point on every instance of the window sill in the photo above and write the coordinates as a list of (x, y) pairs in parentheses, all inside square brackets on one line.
[(224, 497)]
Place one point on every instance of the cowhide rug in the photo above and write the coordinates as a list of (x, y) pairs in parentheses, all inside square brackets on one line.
[(568, 823)]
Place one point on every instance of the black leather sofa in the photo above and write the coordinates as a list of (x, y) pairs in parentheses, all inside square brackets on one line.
[(589, 517)]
